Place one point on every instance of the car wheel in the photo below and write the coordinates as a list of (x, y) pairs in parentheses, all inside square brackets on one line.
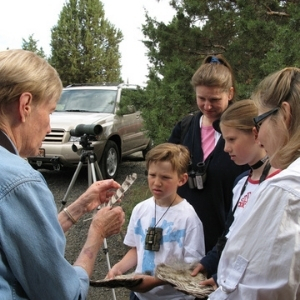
[(109, 162), (147, 149), (57, 167)]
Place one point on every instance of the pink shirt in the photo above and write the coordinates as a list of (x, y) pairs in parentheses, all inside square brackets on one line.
[(208, 140)]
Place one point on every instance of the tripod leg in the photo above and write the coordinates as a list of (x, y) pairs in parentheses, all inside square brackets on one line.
[(64, 200), (93, 172), (98, 171), (92, 165), (105, 250), (95, 166), (90, 172)]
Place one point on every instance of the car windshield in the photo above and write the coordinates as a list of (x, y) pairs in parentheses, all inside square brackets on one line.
[(87, 100)]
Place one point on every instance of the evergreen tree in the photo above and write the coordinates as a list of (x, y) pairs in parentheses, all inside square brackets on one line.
[(31, 45), (85, 45), (256, 36)]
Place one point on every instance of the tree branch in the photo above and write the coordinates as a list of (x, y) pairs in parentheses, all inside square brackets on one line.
[(271, 12)]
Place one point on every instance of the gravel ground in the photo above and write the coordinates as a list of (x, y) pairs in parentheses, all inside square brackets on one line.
[(58, 183)]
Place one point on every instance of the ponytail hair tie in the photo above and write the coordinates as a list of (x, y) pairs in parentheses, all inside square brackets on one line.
[(215, 60)]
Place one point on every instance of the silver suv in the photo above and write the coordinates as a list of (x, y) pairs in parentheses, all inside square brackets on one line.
[(98, 117)]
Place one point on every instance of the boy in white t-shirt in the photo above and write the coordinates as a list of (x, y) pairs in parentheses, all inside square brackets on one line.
[(164, 228)]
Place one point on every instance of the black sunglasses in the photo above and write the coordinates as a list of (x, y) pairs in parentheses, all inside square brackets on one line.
[(259, 119)]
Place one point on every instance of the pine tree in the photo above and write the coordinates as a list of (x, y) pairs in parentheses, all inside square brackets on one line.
[(31, 45), (85, 45)]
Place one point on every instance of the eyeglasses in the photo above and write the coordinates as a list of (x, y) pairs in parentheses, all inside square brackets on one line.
[(259, 119)]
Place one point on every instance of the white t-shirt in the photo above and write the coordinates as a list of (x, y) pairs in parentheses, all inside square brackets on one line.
[(182, 240)]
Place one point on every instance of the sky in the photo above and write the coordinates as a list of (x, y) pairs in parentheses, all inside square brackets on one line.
[(21, 18)]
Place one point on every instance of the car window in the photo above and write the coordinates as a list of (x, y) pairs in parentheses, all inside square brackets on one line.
[(126, 105), (103, 101)]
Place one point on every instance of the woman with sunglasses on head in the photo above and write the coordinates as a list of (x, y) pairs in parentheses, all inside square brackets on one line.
[(214, 86), (241, 144), (261, 259)]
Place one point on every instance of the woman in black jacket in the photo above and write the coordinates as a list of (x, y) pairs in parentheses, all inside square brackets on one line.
[(210, 193)]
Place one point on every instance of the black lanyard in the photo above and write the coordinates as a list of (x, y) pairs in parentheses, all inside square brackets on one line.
[(223, 239), (263, 176)]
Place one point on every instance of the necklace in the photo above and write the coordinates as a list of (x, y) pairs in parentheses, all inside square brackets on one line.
[(164, 212), (154, 234), (259, 163)]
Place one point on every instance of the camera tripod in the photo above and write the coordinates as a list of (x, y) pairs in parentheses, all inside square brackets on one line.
[(88, 155)]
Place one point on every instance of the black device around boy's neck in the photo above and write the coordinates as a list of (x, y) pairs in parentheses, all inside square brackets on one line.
[(153, 238), (154, 234)]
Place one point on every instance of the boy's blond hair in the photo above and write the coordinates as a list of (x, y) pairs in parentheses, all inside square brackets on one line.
[(177, 155)]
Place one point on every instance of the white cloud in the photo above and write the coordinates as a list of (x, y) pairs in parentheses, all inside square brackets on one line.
[(19, 19)]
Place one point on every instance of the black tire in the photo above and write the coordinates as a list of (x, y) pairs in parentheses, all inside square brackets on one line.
[(109, 163), (147, 149)]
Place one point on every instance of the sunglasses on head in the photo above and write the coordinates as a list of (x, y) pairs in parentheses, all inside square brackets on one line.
[(259, 119)]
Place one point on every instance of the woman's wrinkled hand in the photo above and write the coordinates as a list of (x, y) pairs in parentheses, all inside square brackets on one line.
[(108, 221), (98, 193)]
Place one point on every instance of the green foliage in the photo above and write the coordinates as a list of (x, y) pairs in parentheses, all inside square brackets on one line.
[(284, 51), (85, 45), (257, 37), (31, 45), (169, 92), (131, 100)]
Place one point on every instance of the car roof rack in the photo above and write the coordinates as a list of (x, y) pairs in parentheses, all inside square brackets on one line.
[(94, 84), (118, 84)]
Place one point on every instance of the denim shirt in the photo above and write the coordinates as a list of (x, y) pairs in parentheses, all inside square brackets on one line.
[(32, 242)]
